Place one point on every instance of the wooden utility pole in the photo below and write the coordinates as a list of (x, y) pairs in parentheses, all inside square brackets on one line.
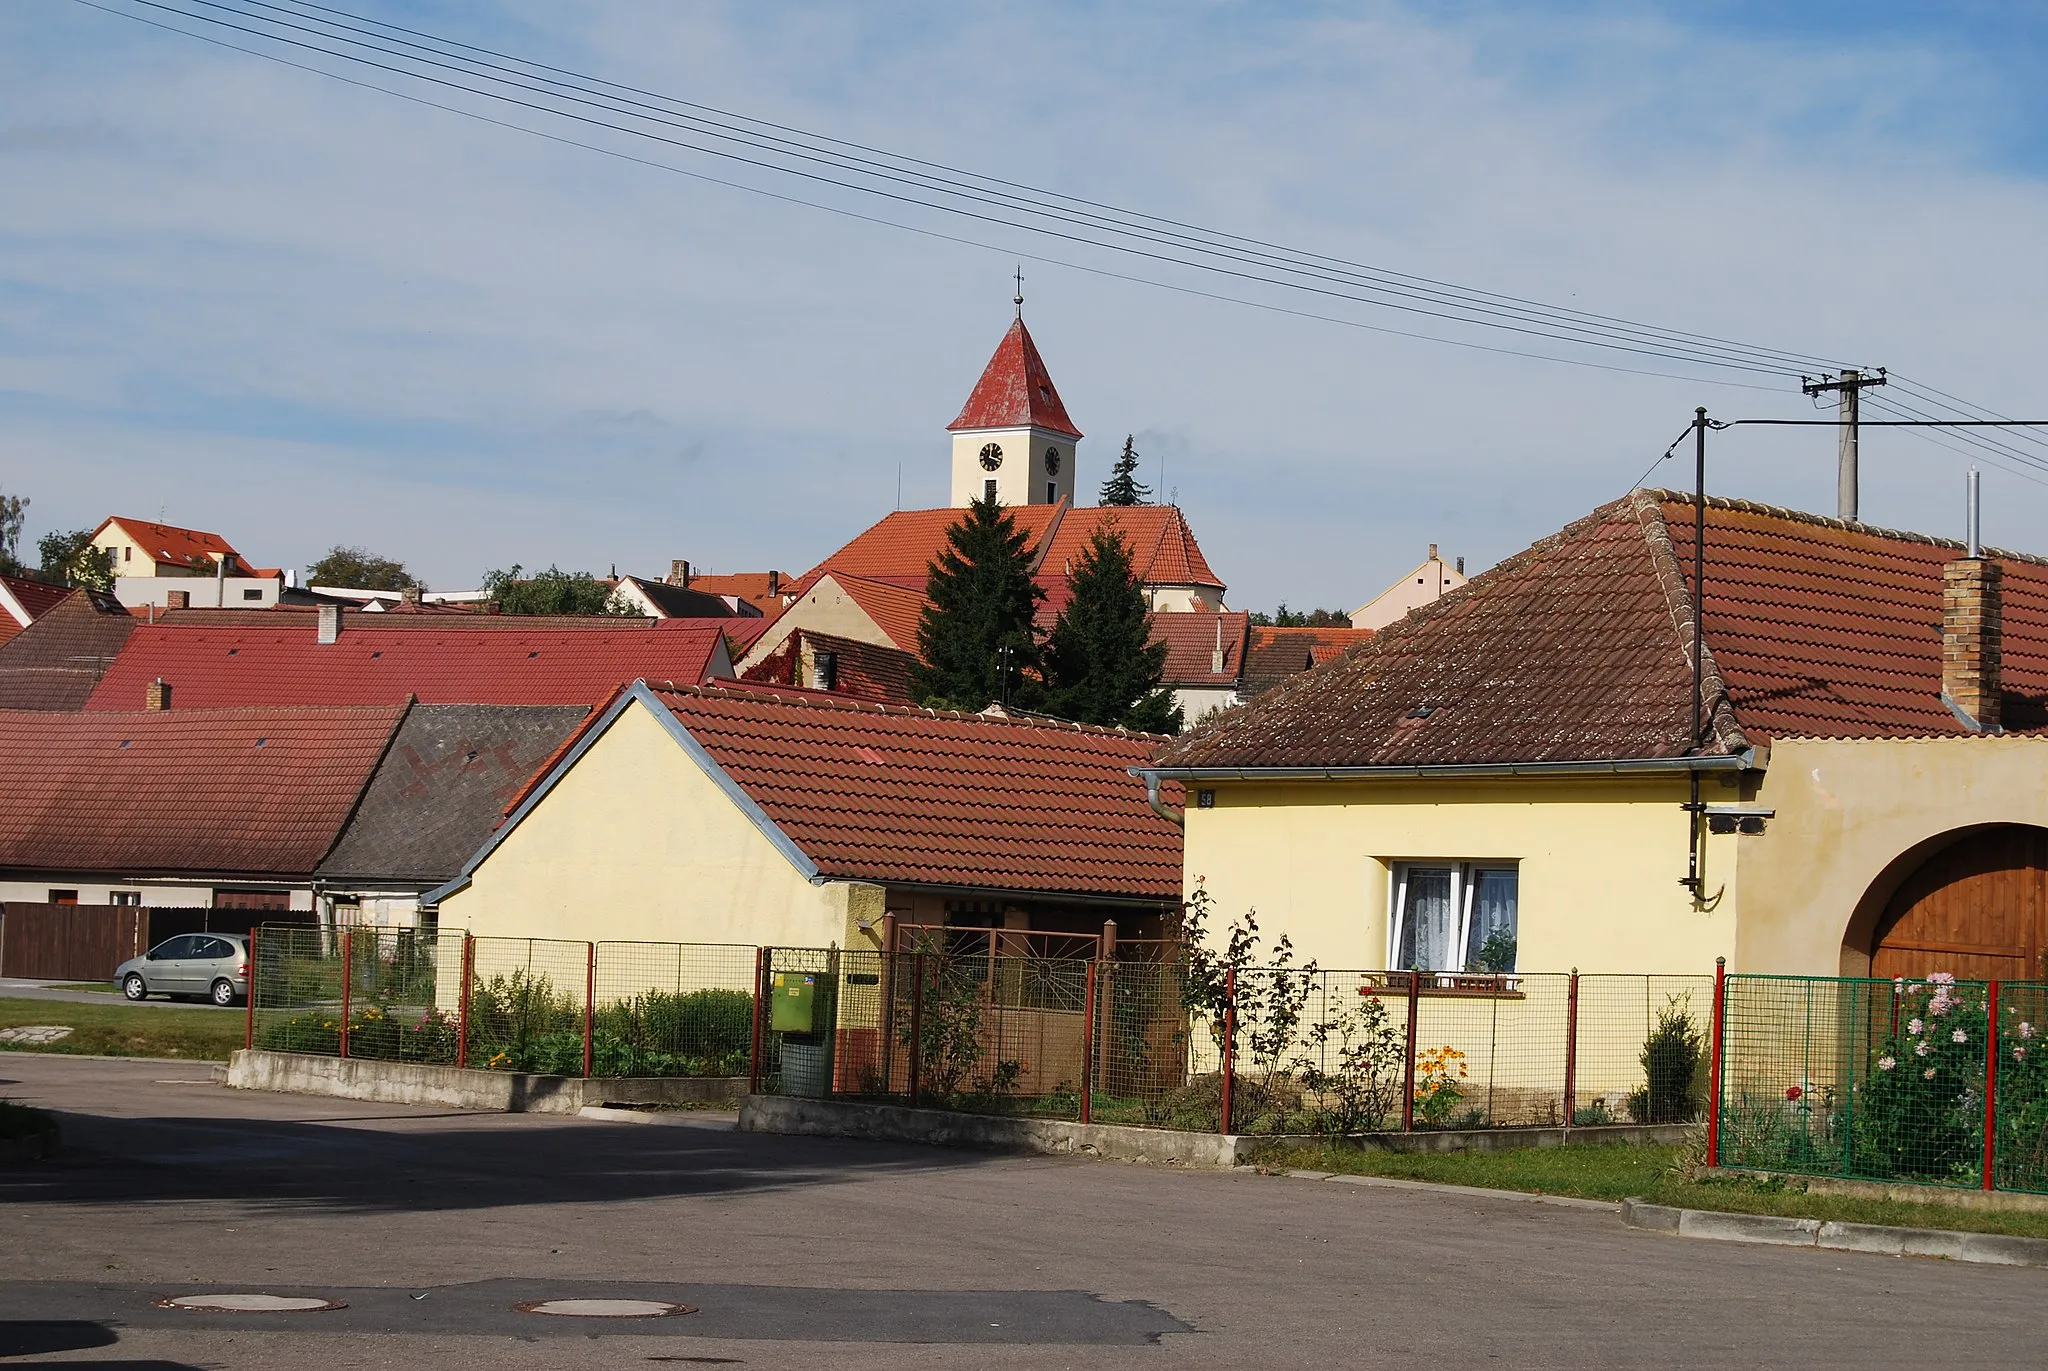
[(1849, 386)]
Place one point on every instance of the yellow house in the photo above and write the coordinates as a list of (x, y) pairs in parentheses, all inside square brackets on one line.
[(786, 817), (1526, 775)]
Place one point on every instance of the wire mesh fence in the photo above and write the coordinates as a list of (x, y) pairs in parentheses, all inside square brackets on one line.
[(1932, 1081), (673, 1009), (372, 993)]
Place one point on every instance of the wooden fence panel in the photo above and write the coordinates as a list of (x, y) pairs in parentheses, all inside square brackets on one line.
[(69, 942)]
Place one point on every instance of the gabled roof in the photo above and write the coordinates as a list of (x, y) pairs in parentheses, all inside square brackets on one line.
[(896, 610), (55, 662), (441, 788), (1577, 649), (251, 792), (1275, 654), (169, 543), (765, 590), (437, 661), (679, 602), (902, 546), (1163, 547), (1015, 391), (1192, 642), (23, 601), (857, 791), (864, 671)]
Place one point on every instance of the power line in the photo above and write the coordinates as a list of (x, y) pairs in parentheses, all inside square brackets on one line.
[(1529, 322)]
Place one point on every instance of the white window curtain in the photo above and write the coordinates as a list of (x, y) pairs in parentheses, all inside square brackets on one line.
[(1447, 914)]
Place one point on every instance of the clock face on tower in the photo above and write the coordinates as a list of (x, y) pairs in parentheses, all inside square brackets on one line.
[(991, 456), (1052, 461)]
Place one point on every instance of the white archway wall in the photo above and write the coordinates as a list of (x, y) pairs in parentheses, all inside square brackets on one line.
[(1846, 810)]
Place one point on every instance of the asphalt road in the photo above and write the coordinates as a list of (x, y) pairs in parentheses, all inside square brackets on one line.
[(431, 1228), (47, 990)]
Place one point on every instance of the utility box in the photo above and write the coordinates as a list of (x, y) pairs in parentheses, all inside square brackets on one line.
[(794, 1007)]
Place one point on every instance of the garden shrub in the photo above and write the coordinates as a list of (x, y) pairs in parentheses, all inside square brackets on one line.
[(1672, 1056)]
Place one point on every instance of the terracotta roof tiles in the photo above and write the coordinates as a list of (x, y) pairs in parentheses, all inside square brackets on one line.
[(1192, 642), (56, 662), (1015, 391)]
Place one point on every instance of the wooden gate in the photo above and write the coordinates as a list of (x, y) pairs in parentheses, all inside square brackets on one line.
[(1977, 908), (69, 942)]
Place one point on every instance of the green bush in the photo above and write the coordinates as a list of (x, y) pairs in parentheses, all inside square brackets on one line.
[(1672, 1056), (712, 1024), (374, 1034)]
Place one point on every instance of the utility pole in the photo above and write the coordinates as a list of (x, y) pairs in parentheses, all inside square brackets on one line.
[(1849, 385)]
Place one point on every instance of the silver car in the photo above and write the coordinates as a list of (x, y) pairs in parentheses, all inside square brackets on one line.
[(215, 965)]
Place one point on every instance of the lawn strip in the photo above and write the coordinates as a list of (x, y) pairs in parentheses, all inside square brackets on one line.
[(1615, 1173), (125, 1030)]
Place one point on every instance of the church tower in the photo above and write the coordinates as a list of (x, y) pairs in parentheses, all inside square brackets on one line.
[(1013, 438)]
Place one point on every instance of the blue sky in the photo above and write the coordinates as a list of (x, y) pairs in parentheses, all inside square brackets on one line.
[(300, 313)]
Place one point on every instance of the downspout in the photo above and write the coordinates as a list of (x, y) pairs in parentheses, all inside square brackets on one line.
[(1159, 806)]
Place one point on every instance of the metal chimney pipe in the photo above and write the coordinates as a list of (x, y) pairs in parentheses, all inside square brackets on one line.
[(1974, 517)]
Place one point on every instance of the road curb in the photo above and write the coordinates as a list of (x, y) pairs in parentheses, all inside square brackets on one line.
[(1465, 1191), (1994, 1249)]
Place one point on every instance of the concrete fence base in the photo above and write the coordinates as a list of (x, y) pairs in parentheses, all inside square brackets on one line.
[(503, 1092)]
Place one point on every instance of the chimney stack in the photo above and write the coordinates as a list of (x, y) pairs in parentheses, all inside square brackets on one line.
[(158, 695), (1432, 553), (410, 595), (177, 599), (679, 573), (1970, 641), (330, 624), (774, 583)]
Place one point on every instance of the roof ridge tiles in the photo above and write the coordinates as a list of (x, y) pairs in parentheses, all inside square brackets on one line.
[(1663, 495), (801, 695), (1720, 714)]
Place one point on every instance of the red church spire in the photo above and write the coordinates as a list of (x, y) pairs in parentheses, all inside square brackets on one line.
[(1015, 390)]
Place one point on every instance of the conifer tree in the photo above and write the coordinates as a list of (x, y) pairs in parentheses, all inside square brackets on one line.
[(1101, 666), (1122, 487), (977, 639)]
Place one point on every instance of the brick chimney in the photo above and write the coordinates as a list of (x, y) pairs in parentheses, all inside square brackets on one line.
[(774, 583), (158, 695), (410, 595), (177, 599), (1970, 641), (330, 624), (679, 573)]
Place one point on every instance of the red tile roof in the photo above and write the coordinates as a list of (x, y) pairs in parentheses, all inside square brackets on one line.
[(865, 671), (1015, 390), (167, 543), (23, 601), (438, 661), (56, 661), (896, 610), (1576, 649), (1163, 548), (879, 793), (231, 792), (762, 589), (1192, 640), (1275, 654), (902, 546)]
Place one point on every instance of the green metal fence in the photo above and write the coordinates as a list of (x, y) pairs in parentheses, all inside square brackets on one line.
[(1933, 1081)]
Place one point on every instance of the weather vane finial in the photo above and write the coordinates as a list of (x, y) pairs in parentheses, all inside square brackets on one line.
[(1020, 290)]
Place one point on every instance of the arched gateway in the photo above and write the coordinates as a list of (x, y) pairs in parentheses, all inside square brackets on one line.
[(1977, 907)]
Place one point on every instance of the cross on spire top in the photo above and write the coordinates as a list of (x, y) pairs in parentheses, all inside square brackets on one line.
[(1020, 290)]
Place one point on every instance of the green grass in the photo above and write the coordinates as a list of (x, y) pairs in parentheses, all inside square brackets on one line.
[(1615, 1173), (96, 987), (125, 1030), (19, 1121)]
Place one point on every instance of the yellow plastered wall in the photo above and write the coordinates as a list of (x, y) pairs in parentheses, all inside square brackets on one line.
[(825, 609), (637, 842), (1848, 812), (1600, 861)]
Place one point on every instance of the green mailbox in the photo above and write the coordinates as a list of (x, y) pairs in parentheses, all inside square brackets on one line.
[(796, 1002)]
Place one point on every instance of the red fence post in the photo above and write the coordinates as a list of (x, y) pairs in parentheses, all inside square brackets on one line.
[(1088, 1047), (348, 970), (1408, 1071), (249, 995), (1571, 1051), (1991, 1089), (1229, 1043), (462, 1001), (1714, 1066), (916, 1027), (760, 1010), (589, 1001)]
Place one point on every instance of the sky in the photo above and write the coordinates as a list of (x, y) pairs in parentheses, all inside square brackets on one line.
[(256, 300)]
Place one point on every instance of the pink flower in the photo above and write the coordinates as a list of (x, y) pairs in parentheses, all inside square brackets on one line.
[(2019, 1054), (1887, 1063), (1914, 1026), (1898, 982), (1959, 1036), (2026, 1030), (1928, 1074), (1941, 978), (1793, 1092), (1923, 1049)]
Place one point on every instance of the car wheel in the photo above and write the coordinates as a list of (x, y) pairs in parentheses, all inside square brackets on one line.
[(134, 987), (223, 992)]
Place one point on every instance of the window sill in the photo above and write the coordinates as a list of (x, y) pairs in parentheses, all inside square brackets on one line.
[(1449, 985)]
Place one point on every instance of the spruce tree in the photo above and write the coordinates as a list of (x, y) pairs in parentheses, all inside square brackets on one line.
[(1122, 487), (1101, 666), (977, 634)]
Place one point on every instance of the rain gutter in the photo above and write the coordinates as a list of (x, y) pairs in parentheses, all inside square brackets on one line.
[(1750, 759)]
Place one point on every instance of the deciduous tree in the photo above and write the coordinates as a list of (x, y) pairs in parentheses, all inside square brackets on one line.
[(553, 591), (353, 568)]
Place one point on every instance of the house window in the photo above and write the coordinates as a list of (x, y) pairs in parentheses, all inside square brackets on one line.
[(255, 593), (124, 898), (988, 490), (127, 554), (1455, 916), (63, 897)]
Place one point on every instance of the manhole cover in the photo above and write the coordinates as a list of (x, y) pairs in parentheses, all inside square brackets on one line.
[(606, 1309), (35, 1033), (250, 1303)]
